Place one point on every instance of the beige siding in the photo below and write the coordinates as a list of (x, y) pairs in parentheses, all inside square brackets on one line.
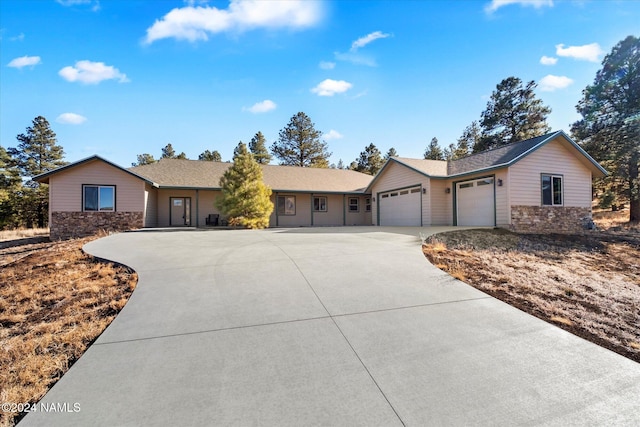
[(552, 158), (361, 217), (66, 187), (206, 206), (303, 212), (335, 211), (441, 202), (150, 206), (164, 207), (396, 176)]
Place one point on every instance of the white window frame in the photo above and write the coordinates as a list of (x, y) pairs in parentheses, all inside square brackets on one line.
[(367, 204), (98, 208)]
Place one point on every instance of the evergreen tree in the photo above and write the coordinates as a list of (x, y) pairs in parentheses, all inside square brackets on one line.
[(299, 144), (37, 153), (433, 151), (259, 150), (513, 114), (169, 153), (211, 156), (370, 160), (391, 153), (471, 136), (144, 159), (245, 198), (340, 164), (10, 187), (610, 126)]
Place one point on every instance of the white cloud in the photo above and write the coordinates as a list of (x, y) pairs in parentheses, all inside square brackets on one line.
[(24, 61), (550, 83), (587, 52), (548, 60), (262, 106), (71, 119), (196, 23), (67, 3), (356, 58), (497, 4), (332, 134), (363, 41), (18, 38), (327, 65), (89, 72), (330, 87)]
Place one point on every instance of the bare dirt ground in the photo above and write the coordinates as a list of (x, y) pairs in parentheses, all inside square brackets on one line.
[(55, 300), (586, 284)]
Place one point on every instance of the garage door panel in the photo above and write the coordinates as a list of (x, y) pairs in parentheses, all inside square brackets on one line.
[(401, 207), (475, 201)]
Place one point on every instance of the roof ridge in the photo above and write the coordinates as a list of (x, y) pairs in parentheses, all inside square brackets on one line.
[(545, 136)]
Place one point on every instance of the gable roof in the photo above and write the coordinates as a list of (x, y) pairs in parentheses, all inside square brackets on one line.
[(44, 177), (177, 173), (500, 157)]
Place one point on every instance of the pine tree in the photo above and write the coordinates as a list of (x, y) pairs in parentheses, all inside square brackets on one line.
[(169, 153), (245, 198), (259, 150), (37, 153), (211, 156), (10, 187), (144, 159), (610, 126), (370, 160), (391, 153), (433, 151), (513, 114), (340, 164), (299, 144)]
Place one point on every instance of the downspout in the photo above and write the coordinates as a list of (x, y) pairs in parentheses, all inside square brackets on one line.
[(197, 208)]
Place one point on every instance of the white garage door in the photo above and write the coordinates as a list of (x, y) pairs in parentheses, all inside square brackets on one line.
[(475, 201), (400, 207)]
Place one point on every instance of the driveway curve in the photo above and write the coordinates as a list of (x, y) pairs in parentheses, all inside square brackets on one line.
[(325, 326)]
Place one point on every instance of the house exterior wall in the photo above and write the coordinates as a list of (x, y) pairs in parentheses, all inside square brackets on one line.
[(66, 187), (206, 206), (335, 210), (552, 158), (441, 202), (150, 206), (527, 214), (164, 207), (302, 215), (66, 216), (397, 176), (362, 217)]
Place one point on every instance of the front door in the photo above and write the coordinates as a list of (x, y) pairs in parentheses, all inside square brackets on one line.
[(180, 211)]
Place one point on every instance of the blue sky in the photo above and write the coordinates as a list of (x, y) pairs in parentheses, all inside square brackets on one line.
[(119, 78)]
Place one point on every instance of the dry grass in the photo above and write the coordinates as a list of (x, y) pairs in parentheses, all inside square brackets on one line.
[(22, 233), (587, 284), (55, 300), (614, 221)]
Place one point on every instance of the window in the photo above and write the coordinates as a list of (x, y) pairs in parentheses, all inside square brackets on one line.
[(286, 205), (402, 193), (466, 185), (367, 204), (551, 190), (415, 190), (319, 204), (354, 204), (99, 198)]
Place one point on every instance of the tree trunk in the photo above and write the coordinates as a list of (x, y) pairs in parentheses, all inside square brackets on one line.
[(634, 184)]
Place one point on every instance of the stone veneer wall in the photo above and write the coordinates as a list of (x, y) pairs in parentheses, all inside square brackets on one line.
[(548, 219), (65, 225)]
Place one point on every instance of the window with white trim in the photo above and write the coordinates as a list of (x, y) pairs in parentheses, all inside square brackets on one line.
[(367, 204), (354, 204), (552, 190), (99, 198), (319, 204)]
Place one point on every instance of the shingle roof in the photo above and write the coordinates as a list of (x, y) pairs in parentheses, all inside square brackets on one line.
[(496, 157), (204, 174), (429, 167)]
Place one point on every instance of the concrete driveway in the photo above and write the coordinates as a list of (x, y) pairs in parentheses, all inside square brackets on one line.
[(326, 326)]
